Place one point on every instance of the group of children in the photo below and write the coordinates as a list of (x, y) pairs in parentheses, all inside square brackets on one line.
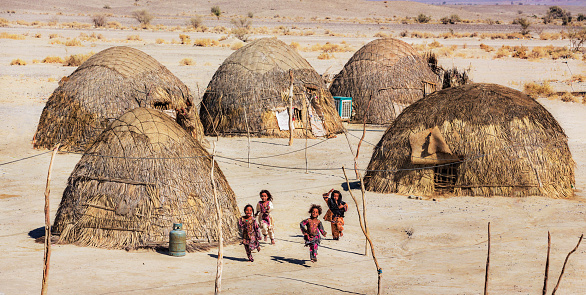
[(311, 227)]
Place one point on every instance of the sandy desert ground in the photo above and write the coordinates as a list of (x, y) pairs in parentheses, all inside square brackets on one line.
[(424, 246)]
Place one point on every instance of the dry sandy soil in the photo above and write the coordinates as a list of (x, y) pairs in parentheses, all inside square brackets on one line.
[(424, 246)]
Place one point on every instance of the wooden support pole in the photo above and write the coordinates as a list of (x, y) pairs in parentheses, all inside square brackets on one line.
[(305, 121), (365, 230), (218, 283), (291, 109), (47, 256), (487, 263), (546, 264), (247, 135), (564, 267)]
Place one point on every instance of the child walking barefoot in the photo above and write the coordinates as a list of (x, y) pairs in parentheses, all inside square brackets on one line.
[(250, 231), (265, 219), (335, 214), (311, 229)]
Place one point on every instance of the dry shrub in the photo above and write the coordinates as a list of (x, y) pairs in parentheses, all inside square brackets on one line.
[(99, 20), (206, 42), (76, 25), (295, 45), (568, 97), (578, 78), (219, 30), (520, 52), (446, 51), (308, 33), (538, 52), (75, 60), (73, 42), (4, 22), (184, 39), (186, 62), (17, 62), (503, 51), (549, 36), (160, 41), (114, 25), (538, 90), (143, 16), (36, 61), (236, 45), (381, 35), (51, 79), (435, 44), (5, 35), (325, 55), (53, 60), (53, 36), (486, 47), (416, 34), (38, 35), (23, 23), (133, 38)]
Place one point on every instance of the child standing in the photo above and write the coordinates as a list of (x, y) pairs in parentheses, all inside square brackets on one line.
[(311, 229), (335, 214), (250, 231), (265, 219)]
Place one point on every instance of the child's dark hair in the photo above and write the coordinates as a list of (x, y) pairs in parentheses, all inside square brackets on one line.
[(250, 208), (270, 197), (339, 195), (314, 206)]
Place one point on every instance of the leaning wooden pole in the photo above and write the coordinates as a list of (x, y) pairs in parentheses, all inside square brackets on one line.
[(545, 277), (291, 109), (360, 177), (247, 135), (564, 266), (487, 263), (365, 230), (218, 284), (47, 256)]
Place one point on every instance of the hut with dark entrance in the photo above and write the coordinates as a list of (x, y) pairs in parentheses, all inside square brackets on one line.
[(249, 93), (104, 87), (477, 140), (387, 74), (141, 175)]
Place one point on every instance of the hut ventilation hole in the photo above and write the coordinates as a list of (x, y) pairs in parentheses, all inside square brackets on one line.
[(445, 177)]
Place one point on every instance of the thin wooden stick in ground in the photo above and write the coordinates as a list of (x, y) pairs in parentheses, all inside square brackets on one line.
[(487, 263), (291, 109), (365, 230), (218, 284), (306, 107), (47, 256), (564, 267), (247, 135), (360, 177), (546, 264)]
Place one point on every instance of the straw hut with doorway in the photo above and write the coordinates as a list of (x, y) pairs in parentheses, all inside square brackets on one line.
[(382, 78), (475, 140), (249, 94), (104, 87), (141, 175)]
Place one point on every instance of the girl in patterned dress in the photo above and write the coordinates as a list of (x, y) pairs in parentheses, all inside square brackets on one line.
[(311, 229), (265, 219), (335, 214), (250, 231)]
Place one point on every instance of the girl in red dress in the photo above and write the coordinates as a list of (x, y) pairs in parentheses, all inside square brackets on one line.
[(250, 231)]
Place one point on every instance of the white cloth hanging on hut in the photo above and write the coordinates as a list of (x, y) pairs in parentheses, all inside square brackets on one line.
[(283, 120), (317, 126)]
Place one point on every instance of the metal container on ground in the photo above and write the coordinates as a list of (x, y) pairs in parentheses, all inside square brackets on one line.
[(177, 240)]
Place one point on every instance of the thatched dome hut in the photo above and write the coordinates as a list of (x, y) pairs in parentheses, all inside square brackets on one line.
[(252, 86), (477, 140), (104, 87), (390, 74), (142, 174)]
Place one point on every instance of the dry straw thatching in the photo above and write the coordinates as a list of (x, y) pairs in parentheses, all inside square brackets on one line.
[(254, 82), (477, 140), (142, 174), (105, 86), (390, 74)]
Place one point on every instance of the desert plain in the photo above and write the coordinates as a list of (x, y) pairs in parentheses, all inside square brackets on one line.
[(424, 245)]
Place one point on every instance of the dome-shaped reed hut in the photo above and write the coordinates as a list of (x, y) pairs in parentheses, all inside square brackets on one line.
[(104, 87), (250, 93), (476, 140), (142, 174), (387, 73)]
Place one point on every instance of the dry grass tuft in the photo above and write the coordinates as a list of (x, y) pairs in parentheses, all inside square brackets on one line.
[(569, 97), (53, 60), (206, 42), (133, 38), (187, 62), (325, 55), (5, 35), (73, 42), (4, 22), (160, 41), (538, 90), (17, 62), (75, 60), (184, 39), (486, 47)]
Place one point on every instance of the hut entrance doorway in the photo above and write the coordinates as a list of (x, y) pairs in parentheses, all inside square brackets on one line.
[(445, 177)]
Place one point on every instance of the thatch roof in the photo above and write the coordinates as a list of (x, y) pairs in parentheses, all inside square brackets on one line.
[(254, 82), (142, 174), (478, 140), (105, 86), (391, 72)]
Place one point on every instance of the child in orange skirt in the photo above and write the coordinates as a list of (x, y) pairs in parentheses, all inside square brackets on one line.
[(335, 214)]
